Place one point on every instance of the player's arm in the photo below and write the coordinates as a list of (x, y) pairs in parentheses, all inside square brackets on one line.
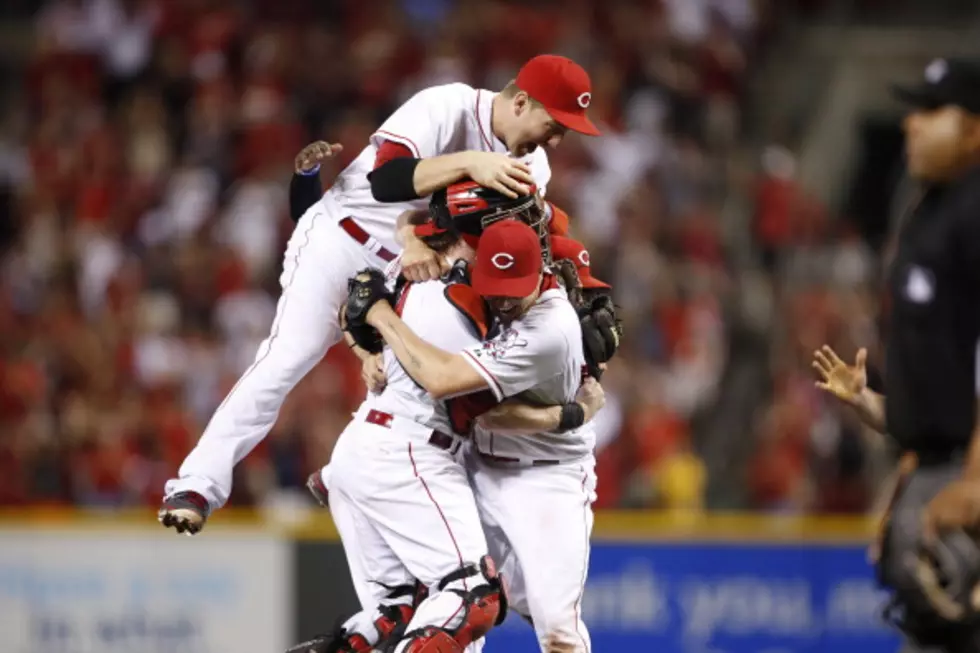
[(405, 226), (403, 179), (871, 409), (440, 373), (422, 132), (516, 417)]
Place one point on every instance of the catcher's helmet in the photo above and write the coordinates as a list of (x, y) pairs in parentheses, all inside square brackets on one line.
[(468, 208)]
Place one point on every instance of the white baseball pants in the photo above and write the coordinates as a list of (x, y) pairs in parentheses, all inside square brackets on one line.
[(404, 510), (319, 259), (538, 522)]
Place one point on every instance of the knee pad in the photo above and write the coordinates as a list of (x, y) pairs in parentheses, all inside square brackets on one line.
[(484, 606)]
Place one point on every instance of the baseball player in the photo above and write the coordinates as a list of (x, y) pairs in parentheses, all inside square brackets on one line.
[(524, 485), (401, 499), (439, 136)]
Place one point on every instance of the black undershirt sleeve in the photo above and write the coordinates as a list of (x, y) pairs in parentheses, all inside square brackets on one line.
[(304, 192), (394, 181)]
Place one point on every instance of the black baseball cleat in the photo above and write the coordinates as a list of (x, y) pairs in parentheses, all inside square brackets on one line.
[(319, 644), (316, 487), (186, 512), (339, 641)]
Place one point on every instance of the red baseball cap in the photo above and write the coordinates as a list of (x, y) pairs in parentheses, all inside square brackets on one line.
[(562, 248), (508, 260), (563, 87)]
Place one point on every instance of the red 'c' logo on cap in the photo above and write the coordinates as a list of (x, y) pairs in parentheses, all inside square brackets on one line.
[(584, 100), (502, 260), (583, 258)]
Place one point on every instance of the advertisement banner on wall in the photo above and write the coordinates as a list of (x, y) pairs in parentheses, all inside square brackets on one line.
[(119, 592), (725, 598)]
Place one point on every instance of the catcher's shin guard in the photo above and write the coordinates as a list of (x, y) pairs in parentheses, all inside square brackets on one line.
[(484, 607)]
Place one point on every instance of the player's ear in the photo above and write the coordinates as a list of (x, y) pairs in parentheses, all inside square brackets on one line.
[(521, 103)]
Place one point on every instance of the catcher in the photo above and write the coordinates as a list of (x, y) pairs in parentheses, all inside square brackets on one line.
[(927, 551)]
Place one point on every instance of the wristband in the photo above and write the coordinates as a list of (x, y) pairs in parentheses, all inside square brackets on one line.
[(572, 417), (309, 173)]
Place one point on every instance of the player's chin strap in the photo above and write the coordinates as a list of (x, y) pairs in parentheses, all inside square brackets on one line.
[(484, 607), (369, 631)]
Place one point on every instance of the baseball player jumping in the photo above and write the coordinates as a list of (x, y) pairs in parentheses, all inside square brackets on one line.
[(522, 483), (439, 136), (401, 499)]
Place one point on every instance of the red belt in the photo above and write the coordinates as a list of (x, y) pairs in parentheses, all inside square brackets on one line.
[(539, 462), (437, 439), (356, 232)]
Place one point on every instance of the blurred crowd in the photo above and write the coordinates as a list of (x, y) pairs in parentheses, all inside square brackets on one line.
[(812, 454), (144, 163)]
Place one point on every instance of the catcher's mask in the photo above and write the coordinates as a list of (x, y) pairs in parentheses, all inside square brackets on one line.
[(468, 208)]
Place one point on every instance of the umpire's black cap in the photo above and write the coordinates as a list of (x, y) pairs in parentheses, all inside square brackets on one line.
[(947, 82)]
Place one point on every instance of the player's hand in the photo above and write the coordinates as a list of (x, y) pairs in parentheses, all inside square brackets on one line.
[(419, 263), (501, 173), (591, 396), (314, 154), (956, 506), (373, 374), (846, 382)]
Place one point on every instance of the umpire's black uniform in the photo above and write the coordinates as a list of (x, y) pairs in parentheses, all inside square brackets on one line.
[(931, 344)]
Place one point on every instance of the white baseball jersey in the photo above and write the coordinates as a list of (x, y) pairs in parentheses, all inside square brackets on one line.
[(538, 359), (427, 312), (437, 120)]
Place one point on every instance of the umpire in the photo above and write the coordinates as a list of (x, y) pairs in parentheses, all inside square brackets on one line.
[(927, 553)]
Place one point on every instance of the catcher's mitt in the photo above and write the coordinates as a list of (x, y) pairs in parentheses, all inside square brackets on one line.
[(363, 291), (601, 329), (937, 598)]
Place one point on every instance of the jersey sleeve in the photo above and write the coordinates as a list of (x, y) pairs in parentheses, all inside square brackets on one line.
[(389, 150), (426, 123), (516, 361), (540, 170)]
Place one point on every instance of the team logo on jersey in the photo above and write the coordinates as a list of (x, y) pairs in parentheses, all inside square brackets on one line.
[(585, 100), (920, 285), (503, 343), (583, 258), (502, 260)]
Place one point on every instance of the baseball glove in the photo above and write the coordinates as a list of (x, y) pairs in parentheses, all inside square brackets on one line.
[(568, 273), (601, 329), (364, 290), (937, 598)]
